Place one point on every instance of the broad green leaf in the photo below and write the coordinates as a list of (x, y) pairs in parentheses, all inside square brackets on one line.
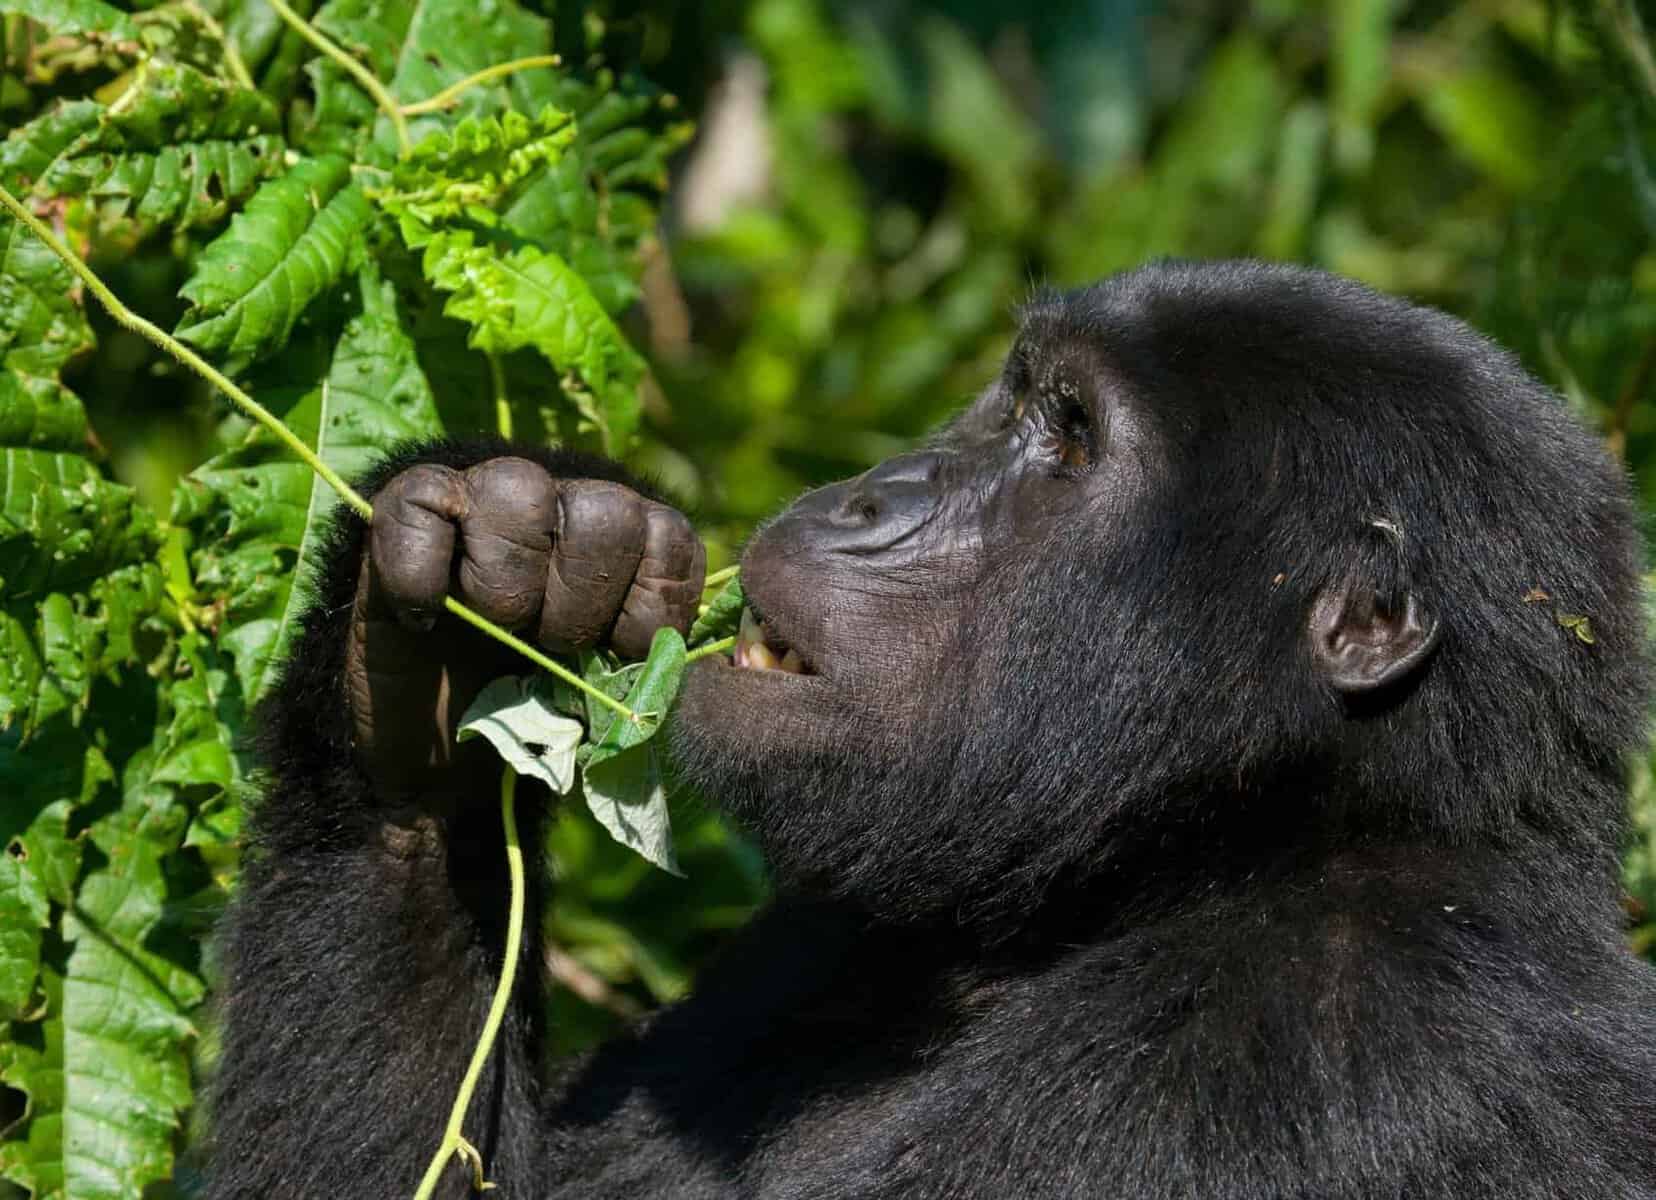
[(419, 47), (41, 325), (624, 791), (125, 1033), (295, 239), (529, 299), (41, 784), (374, 397), (723, 615), (71, 542), (180, 150), (650, 696), (32, 1156), (75, 16), (516, 719), (258, 513)]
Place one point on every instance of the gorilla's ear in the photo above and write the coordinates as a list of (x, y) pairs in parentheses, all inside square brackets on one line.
[(1361, 644)]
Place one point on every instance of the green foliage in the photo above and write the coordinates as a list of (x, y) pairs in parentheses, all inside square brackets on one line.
[(904, 174), (344, 283), (546, 730)]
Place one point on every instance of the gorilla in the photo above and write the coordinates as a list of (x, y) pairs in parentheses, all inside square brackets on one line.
[(1197, 772)]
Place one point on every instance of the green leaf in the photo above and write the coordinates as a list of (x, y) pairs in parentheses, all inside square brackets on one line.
[(75, 16), (625, 793), (723, 615), (522, 726), (125, 1033), (529, 299), (73, 545), (180, 151), (296, 238), (258, 514), (463, 171), (33, 1155), (650, 696), (41, 324), (419, 47)]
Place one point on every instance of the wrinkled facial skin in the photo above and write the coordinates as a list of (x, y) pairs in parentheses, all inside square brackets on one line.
[(868, 580), (875, 585)]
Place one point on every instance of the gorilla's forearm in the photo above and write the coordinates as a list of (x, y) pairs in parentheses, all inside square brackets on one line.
[(362, 950)]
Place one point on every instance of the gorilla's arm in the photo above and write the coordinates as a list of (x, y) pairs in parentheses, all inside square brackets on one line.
[(361, 953)]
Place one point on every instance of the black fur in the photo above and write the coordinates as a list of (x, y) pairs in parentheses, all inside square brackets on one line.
[(1109, 896)]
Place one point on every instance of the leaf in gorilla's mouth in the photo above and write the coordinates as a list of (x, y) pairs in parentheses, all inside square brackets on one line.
[(758, 648)]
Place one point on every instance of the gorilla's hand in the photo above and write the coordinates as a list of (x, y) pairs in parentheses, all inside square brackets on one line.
[(569, 563)]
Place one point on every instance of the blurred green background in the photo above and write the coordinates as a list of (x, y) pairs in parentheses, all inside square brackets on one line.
[(875, 186)]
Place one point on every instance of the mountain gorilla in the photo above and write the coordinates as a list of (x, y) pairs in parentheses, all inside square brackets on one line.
[(1185, 777)]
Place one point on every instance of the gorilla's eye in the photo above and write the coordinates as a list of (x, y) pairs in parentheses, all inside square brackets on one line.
[(1071, 439)]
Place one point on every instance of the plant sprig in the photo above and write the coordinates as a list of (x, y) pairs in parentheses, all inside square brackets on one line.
[(189, 358)]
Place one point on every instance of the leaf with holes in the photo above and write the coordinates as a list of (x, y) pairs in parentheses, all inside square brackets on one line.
[(180, 151), (297, 237)]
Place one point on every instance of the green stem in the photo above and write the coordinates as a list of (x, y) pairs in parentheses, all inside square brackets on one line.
[(453, 92), (721, 577), (386, 101), (539, 659), (710, 649), (232, 57), (131, 320), (503, 402), (178, 350), (452, 1138)]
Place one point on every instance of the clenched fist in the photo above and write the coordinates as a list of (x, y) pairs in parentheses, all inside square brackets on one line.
[(568, 563)]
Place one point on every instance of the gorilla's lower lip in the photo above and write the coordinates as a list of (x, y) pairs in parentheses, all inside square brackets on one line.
[(758, 648)]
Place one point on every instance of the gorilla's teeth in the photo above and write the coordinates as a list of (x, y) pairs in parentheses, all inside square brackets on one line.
[(792, 662), (760, 657)]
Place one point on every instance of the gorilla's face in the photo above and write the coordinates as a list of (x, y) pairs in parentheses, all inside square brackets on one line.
[(1224, 549), (859, 593)]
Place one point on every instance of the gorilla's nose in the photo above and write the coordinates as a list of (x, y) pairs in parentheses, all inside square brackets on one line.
[(874, 510)]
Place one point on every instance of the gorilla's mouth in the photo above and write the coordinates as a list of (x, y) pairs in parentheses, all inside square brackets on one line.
[(760, 648)]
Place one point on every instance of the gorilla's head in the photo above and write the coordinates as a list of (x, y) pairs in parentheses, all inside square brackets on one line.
[(1233, 562)]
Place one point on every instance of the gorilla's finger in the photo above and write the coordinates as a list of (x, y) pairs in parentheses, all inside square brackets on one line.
[(668, 585), (511, 505), (411, 541), (599, 541)]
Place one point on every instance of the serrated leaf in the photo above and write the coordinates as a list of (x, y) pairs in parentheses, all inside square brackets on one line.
[(258, 514), (75, 16), (529, 299), (461, 172), (74, 547), (125, 1033), (596, 204), (39, 862), (41, 324), (32, 1156), (179, 151), (525, 730), (625, 793), (419, 47), (295, 239)]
